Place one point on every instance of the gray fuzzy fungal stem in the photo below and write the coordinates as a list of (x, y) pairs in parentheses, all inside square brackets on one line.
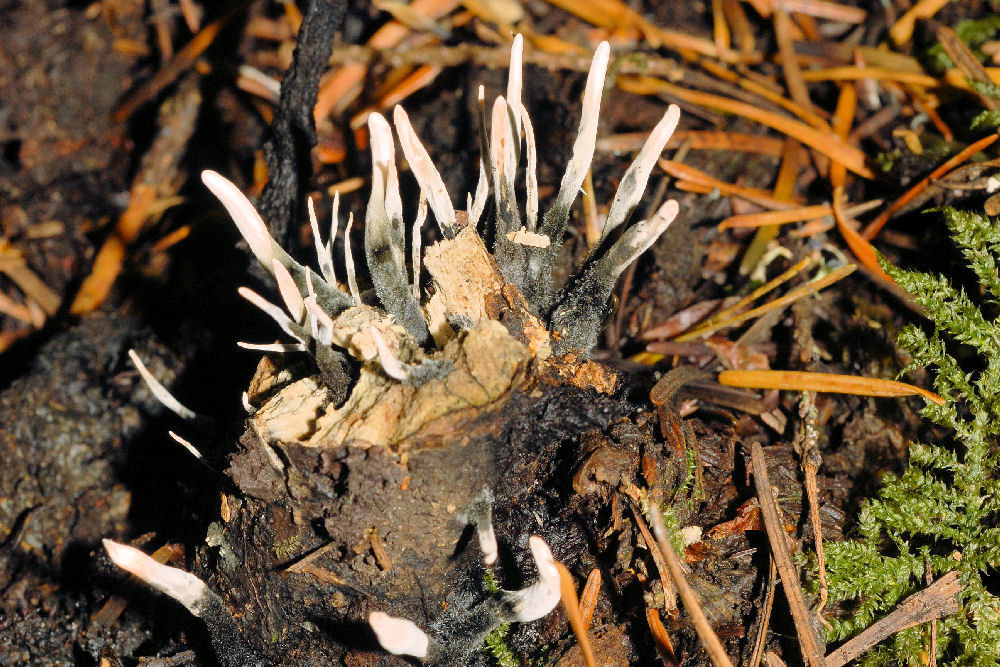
[(231, 649)]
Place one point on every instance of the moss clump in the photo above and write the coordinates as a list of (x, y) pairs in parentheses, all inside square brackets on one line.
[(942, 513)]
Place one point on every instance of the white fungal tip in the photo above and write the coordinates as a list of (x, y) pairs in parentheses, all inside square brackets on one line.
[(392, 366), (537, 600), (186, 445), (160, 392), (243, 213), (178, 584), (488, 542), (398, 635)]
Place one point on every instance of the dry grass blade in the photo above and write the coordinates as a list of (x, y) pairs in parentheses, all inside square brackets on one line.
[(796, 294), (936, 601), (779, 550), (713, 646), (774, 283), (823, 382), (567, 591)]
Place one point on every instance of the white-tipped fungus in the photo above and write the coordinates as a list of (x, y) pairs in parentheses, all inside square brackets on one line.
[(178, 584), (537, 600), (161, 393), (398, 635)]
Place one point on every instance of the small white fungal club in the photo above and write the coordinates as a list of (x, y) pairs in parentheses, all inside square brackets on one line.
[(537, 600), (398, 635), (178, 584)]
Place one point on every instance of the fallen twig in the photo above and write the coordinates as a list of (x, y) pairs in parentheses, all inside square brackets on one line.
[(713, 646), (810, 643), (936, 601)]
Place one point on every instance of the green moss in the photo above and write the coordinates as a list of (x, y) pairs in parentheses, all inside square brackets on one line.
[(941, 513)]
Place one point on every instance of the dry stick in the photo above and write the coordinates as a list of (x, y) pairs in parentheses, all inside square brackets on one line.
[(966, 61), (765, 618), (936, 601), (713, 646), (811, 459), (669, 590), (779, 550)]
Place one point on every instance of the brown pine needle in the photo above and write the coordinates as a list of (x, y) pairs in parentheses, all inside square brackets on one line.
[(796, 294), (567, 590), (588, 599), (875, 225), (824, 382), (660, 636), (823, 142), (713, 646)]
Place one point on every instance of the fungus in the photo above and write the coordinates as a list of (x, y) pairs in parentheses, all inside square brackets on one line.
[(495, 324)]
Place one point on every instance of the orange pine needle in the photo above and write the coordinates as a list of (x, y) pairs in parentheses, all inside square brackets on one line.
[(182, 61), (775, 217), (823, 142), (759, 144), (878, 223), (853, 73), (342, 86), (902, 30), (684, 172), (659, 633), (843, 118), (567, 590), (861, 248), (823, 382)]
